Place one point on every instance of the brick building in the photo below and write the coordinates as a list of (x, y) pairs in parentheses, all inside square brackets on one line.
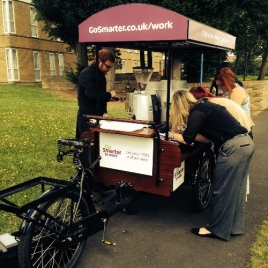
[(26, 53), (29, 56), (131, 58)]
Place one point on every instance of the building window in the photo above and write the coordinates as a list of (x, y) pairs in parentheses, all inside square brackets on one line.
[(52, 67), (12, 64), (124, 66), (33, 22), (61, 64), (37, 75), (8, 16)]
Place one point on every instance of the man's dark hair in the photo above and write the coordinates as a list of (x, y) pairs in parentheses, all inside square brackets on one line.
[(105, 54)]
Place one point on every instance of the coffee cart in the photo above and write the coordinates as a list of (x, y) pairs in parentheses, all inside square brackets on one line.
[(140, 155), (128, 155)]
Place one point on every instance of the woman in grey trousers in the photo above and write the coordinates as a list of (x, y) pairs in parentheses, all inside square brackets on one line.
[(209, 122)]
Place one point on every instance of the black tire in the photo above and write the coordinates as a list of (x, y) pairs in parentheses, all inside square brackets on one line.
[(202, 186), (38, 246)]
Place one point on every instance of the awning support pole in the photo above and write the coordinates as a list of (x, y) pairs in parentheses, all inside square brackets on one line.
[(168, 87), (201, 69)]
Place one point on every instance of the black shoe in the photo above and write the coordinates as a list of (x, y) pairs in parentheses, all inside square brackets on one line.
[(195, 231)]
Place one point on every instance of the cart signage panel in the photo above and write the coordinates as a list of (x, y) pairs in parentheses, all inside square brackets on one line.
[(134, 22), (178, 176), (126, 153), (205, 34)]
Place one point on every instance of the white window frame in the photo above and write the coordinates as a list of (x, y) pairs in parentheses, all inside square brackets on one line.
[(12, 64), (52, 65), (124, 66), (33, 22), (8, 16), (61, 64), (37, 71)]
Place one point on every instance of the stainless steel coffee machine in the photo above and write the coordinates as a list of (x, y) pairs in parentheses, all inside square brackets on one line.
[(145, 105), (149, 102)]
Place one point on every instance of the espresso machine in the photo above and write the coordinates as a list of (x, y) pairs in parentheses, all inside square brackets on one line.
[(145, 104)]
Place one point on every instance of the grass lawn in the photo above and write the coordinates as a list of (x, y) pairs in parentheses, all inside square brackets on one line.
[(32, 120)]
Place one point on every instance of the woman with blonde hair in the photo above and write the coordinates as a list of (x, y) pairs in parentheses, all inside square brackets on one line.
[(209, 122)]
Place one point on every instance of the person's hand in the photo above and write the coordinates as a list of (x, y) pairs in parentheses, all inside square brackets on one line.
[(113, 93)]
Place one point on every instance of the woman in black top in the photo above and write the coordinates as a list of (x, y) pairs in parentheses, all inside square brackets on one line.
[(209, 122)]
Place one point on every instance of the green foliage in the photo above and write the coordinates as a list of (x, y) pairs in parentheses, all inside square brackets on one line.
[(192, 68), (259, 250), (245, 19), (73, 75)]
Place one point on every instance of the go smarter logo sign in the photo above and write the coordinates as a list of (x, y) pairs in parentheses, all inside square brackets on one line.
[(130, 28)]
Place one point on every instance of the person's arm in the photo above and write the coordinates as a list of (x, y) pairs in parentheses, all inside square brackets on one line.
[(238, 95), (201, 138), (191, 133), (178, 137)]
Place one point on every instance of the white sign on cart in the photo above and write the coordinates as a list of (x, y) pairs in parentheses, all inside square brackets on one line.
[(126, 153)]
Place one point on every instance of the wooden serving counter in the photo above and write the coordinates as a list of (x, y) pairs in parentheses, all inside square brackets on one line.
[(167, 154)]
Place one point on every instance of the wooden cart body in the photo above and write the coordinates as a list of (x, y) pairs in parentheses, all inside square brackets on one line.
[(172, 164)]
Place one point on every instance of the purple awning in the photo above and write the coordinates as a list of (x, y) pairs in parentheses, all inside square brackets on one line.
[(142, 23)]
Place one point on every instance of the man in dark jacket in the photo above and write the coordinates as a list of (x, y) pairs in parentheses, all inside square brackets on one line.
[(92, 95)]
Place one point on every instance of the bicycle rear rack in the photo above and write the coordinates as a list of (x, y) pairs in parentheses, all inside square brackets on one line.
[(61, 186)]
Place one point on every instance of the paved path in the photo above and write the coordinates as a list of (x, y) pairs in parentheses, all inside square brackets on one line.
[(158, 236)]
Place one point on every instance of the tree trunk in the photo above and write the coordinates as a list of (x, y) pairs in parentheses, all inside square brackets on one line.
[(82, 56), (236, 63), (263, 64), (176, 66)]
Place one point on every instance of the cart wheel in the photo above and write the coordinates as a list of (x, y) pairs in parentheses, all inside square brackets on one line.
[(41, 247), (202, 188)]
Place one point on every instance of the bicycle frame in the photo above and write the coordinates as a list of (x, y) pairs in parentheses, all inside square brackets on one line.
[(81, 184)]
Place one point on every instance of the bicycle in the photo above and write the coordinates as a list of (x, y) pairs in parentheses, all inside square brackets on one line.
[(55, 227)]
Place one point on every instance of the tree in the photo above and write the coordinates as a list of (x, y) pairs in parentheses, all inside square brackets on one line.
[(244, 19), (61, 19), (250, 27)]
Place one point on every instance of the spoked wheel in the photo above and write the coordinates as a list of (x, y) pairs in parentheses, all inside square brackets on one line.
[(40, 247), (202, 188)]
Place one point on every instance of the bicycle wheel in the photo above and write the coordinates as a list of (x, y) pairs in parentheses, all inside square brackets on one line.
[(202, 188), (40, 247)]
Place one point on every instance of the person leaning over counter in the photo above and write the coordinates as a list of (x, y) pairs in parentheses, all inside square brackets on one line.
[(232, 107), (208, 122)]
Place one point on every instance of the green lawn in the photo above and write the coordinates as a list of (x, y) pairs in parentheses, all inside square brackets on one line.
[(32, 120)]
